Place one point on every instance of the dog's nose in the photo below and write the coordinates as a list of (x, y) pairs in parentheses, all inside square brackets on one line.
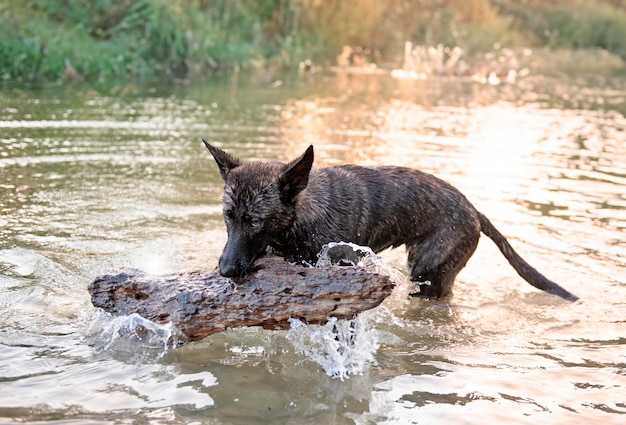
[(229, 268), (228, 271)]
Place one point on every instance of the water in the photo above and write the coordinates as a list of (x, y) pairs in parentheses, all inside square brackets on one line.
[(95, 178)]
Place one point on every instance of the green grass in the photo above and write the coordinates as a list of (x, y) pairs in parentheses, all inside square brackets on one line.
[(571, 24), (178, 38)]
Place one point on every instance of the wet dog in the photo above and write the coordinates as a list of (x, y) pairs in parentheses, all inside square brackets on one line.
[(296, 209)]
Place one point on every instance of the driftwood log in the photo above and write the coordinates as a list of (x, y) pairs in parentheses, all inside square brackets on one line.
[(200, 303)]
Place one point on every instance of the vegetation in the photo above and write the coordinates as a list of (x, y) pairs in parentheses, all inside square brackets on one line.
[(39, 39), (571, 24)]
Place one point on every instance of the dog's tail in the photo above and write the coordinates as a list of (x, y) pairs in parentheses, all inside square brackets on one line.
[(525, 270)]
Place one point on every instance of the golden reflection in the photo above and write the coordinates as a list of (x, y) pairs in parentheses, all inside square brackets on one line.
[(517, 163), (485, 151), (358, 126)]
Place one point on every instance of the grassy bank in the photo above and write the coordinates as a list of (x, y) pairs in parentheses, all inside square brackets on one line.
[(571, 24), (182, 38)]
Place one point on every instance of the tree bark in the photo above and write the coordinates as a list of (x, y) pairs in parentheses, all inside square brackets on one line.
[(200, 303)]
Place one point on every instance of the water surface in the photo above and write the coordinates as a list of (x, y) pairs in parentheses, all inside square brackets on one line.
[(97, 178)]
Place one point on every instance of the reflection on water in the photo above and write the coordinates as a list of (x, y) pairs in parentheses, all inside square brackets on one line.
[(93, 180)]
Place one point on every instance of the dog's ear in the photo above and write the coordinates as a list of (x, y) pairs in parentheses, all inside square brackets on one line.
[(225, 161), (293, 180)]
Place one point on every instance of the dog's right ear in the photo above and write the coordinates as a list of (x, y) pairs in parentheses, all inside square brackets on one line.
[(296, 177), (225, 161)]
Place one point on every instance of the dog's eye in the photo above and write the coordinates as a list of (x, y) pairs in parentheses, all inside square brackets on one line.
[(255, 222)]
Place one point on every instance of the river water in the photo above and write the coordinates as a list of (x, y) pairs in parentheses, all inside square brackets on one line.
[(95, 178)]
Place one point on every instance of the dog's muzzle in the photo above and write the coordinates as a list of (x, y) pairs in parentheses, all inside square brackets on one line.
[(231, 269)]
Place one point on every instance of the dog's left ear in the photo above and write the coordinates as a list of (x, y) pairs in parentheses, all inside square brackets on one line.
[(225, 161), (296, 177)]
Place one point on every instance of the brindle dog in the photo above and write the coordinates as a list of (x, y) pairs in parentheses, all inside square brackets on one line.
[(296, 209)]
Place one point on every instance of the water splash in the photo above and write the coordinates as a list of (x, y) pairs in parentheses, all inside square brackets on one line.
[(126, 333), (350, 254), (343, 347)]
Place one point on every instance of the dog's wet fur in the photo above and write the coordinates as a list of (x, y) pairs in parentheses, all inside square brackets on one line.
[(295, 209)]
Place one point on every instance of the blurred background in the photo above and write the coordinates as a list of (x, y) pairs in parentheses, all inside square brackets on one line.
[(186, 38)]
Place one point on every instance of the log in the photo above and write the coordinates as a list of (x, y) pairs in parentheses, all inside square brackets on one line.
[(200, 303)]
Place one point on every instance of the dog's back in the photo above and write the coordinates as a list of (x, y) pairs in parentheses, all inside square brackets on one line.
[(379, 207)]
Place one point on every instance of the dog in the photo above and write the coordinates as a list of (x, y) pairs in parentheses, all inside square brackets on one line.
[(296, 208)]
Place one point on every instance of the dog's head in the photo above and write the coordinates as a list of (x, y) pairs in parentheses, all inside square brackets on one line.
[(259, 205)]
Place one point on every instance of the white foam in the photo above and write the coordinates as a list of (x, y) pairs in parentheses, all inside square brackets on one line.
[(345, 347), (340, 347), (125, 333)]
